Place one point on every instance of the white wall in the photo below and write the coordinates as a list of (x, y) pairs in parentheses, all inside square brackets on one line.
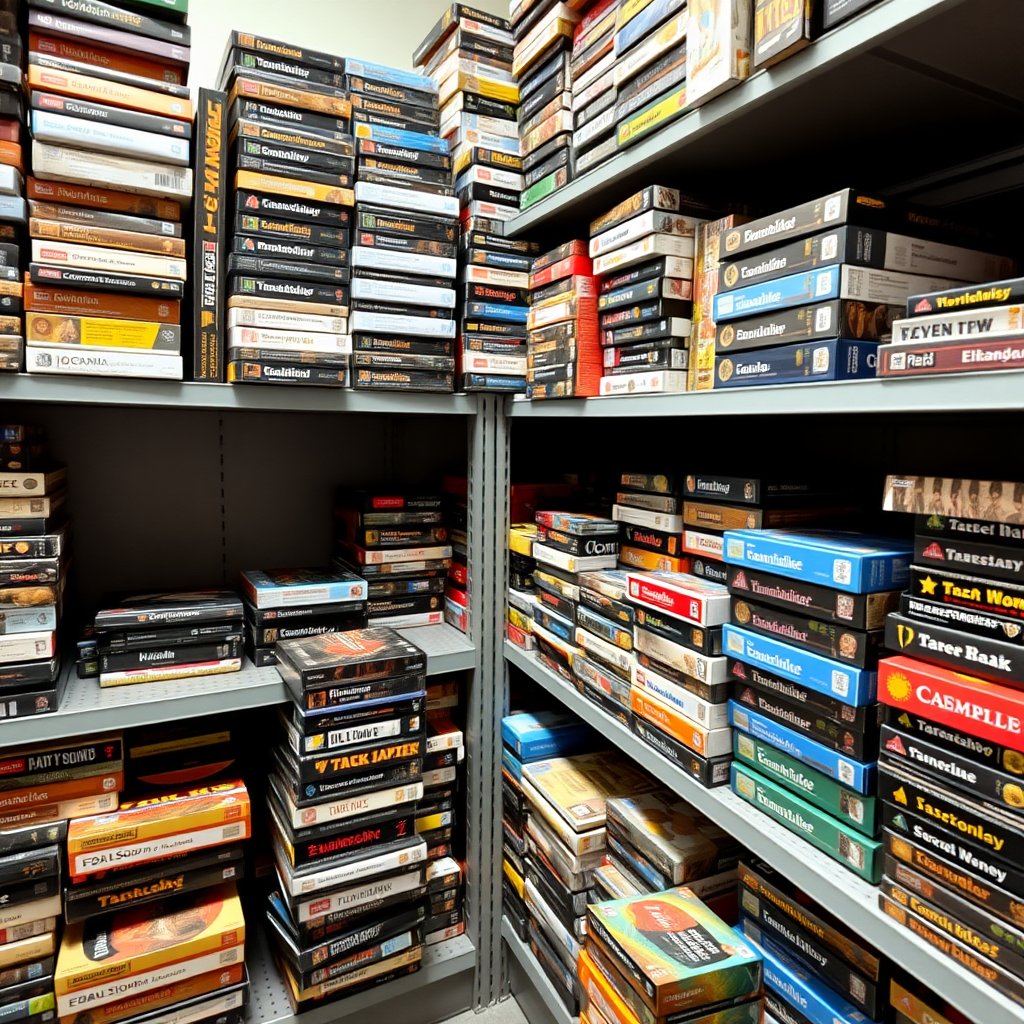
[(383, 31)]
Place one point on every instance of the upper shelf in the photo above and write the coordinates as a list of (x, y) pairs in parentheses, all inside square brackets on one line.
[(86, 708), (870, 105), (23, 387), (977, 392), (846, 896)]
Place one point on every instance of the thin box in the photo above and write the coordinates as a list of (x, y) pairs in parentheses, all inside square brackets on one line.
[(850, 685), (855, 563)]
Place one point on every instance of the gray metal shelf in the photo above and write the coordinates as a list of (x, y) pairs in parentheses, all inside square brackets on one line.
[(24, 387), (975, 392), (88, 708), (846, 896), (889, 50), (268, 1002), (535, 973)]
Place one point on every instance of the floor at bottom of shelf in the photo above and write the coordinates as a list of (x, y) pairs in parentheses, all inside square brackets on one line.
[(86, 707), (533, 970), (268, 1002)]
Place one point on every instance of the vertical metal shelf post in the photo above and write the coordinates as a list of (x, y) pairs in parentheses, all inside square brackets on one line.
[(488, 471)]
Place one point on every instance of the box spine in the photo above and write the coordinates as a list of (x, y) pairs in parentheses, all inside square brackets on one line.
[(208, 243)]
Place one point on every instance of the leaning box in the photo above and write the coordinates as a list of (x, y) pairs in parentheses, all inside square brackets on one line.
[(210, 921), (985, 710), (146, 830)]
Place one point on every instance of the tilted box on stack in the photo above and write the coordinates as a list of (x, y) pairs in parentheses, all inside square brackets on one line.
[(291, 158), (403, 285), (112, 133)]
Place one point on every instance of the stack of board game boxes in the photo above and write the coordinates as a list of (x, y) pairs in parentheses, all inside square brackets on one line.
[(652, 69), (815, 967), (153, 885), (292, 159), (43, 786), (474, 49), (808, 293), (556, 543), (13, 211), (952, 758), (648, 509), (34, 562), (958, 330), (522, 588), (542, 61), (437, 821), (457, 604), (155, 637), (803, 648), (493, 343), (714, 503), (403, 287), (701, 370), (643, 252), (543, 86), (592, 75), (527, 738), (563, 345), (346, 781), (109, 105), (401, 546), (678, 677), (566, 840), (655, 957), (286, 604), (657, 841)]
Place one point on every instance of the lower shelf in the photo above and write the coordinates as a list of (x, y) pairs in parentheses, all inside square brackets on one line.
[(268, 1003), (846, 896), (88, 708), (540, 981)]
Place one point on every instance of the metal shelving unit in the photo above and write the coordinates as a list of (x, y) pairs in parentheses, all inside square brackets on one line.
[(268, 1001), (24, 387), (88, 708), (976, 392), (533, 970), (846, 896)]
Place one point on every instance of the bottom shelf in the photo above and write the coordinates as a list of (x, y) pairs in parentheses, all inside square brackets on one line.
[(268, 1003), (840, 891), (535, 973)]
